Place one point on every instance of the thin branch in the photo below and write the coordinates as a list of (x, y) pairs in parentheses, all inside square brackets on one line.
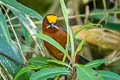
[(87, 14), (70, 17), (4, 78), (76, 10)]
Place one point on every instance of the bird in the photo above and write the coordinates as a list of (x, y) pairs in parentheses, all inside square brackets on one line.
[(52, 29)]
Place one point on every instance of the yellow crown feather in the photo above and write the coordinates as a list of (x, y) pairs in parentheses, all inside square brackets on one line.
[(52, 19)]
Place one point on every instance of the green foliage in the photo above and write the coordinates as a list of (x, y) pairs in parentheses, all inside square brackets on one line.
[(107, 75), (40, 61), (26, 69), (108, 20), (46, 73), (13, 4), (95, 63), (81, 44), (65, 14), (85, 27), (11, 66), (45, 64), (85, 73), (60, 62), (7, 45), (53, 42), (4, 29), (45, 67)]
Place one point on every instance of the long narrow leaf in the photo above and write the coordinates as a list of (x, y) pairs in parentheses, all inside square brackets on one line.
[(59, 62), (53, 42), (11, 66), (46, 73), (40, 60), (26, 69), (65, 14), (72, 44), (95, 63), (107, 75), (84, 27), (85, 73), (81, 44), (13, 4), (4, 28)]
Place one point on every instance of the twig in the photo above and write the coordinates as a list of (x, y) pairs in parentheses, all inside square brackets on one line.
[(103, 18), (94, 3), (9, 76), (87, 14), (15, 17), (76, 10), (6, 12), (70, 17), (4, 78)]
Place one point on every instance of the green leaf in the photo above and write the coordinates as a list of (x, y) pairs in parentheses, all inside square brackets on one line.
[(95, 63), (72, 44), (84, 73), (107, 75), (43, 62), (113, 26), (46, 73), (4, 28), (53, 42), (109, 18), (84, 27), (13, 4), (65, 14), (81, 44), (30, 26), (40, 61), (26, 35), (59, 62), (11, 66), (25, 69)]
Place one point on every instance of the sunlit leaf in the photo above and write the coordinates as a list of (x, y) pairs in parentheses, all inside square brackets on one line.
[(95, 63), (46, 73), (26, 69), (81, 44), (59, 62), (39, 60), (107, 75), (53, 42), (85, 27), (84, 73)]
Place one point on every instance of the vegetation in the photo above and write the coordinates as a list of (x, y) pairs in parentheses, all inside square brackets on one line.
[(22, 53)]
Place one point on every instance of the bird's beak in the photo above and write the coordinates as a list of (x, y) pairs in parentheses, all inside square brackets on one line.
[(52, 25)]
